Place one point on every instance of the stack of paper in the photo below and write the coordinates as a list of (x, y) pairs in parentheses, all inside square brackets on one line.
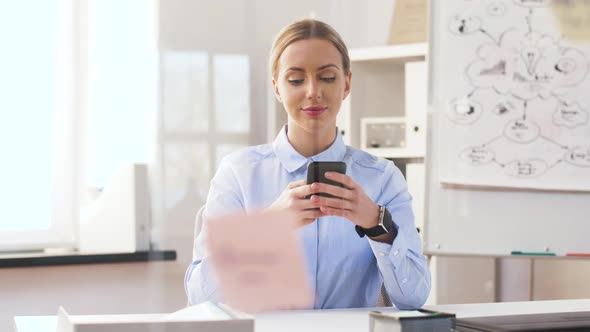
[(203, 317)]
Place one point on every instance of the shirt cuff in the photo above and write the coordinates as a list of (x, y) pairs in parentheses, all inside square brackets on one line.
[(390, 253)]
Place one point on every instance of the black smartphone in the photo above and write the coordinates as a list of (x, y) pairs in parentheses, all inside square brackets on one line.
[(316, 172)]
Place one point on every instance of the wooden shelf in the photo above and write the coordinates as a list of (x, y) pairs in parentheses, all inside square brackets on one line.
[(394, 153), (390, 54)]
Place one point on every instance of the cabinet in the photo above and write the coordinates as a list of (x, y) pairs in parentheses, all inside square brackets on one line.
[(385, 113)]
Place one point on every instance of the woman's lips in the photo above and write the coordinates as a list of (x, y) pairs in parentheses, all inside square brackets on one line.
[(314, 110)]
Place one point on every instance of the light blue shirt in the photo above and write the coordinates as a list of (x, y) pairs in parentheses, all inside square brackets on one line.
[(346, 271)]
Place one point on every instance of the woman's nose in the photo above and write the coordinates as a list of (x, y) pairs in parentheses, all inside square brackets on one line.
[(313, 91)]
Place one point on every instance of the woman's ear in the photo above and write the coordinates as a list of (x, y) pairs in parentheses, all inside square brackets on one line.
[(347, 85), (276, 90)]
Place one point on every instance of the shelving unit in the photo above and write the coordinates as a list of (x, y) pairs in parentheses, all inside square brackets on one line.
[(388, 81), (390, 54), (391, 82)]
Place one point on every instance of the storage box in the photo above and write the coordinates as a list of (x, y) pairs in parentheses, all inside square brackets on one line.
[(383, 132)]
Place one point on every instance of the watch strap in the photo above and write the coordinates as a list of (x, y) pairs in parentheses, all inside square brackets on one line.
[(385, 225)]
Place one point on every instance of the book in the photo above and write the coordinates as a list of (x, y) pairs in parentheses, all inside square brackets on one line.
[(420, 320), (410, 22)]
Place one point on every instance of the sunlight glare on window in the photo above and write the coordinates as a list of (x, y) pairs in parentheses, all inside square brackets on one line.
[(27, 109), (122, 97)]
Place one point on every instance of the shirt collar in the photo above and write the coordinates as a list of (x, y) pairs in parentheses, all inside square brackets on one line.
[(292, 160)]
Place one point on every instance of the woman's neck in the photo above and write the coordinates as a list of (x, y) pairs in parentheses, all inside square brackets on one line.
[(310, 143)]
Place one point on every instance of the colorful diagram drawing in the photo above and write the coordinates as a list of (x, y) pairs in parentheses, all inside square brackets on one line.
[(523, 80)]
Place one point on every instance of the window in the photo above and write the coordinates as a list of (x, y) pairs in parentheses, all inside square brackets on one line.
[(205, 115), (122, 87), (79, 100), (32, 83), (25, 130)]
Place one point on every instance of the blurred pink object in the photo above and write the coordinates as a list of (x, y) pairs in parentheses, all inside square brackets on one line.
[(258, 261)]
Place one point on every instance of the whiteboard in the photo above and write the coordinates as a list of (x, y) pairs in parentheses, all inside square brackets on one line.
[(508, 165)]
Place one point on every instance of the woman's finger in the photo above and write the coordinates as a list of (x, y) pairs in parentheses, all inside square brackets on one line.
[(336, 212), (296, 184), (336, 203), (333, 190), (346, 180), (305, 190)]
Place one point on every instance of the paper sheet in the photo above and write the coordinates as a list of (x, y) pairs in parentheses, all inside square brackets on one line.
[(259, 262), (201, 311)]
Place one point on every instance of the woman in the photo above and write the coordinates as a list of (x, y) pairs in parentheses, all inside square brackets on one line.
[(311, 76)]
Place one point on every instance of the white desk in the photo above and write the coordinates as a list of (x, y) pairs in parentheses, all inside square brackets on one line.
[(354, 320)]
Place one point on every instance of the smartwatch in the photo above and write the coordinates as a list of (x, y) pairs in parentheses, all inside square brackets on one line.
[(385, 225)]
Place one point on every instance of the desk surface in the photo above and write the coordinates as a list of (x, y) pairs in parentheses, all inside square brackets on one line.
[(354, 320)]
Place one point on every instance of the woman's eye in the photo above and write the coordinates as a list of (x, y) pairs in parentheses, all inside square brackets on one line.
[(328, 79), (295, 82)]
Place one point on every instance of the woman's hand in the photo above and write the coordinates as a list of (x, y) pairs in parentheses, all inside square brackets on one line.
[(351, 202), (293, 199)]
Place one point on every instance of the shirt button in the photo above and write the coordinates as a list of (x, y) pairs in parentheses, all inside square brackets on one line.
[(381, 254), (395, 253), (404, 280)]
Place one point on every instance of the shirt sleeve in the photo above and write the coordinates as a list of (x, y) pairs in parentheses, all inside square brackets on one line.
[(200, 282), (403, 266)]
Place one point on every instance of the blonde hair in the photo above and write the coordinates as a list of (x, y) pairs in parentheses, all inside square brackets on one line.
[(306, 29)]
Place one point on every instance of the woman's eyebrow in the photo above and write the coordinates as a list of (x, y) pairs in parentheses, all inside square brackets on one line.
[(327, 66), (295, 69), (319, 68)]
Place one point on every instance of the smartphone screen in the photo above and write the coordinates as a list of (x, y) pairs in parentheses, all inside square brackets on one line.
[(316, 171)]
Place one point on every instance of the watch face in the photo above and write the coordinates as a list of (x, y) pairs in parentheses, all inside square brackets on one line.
[(386, 222)]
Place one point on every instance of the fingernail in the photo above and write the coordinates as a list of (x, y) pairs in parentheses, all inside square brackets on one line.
[(315, 198), (328, 174), (315, 186)]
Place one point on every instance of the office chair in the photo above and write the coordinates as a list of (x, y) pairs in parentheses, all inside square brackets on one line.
[(197, 231)]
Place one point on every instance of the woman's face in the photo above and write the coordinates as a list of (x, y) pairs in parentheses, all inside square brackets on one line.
[(311, 84)]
